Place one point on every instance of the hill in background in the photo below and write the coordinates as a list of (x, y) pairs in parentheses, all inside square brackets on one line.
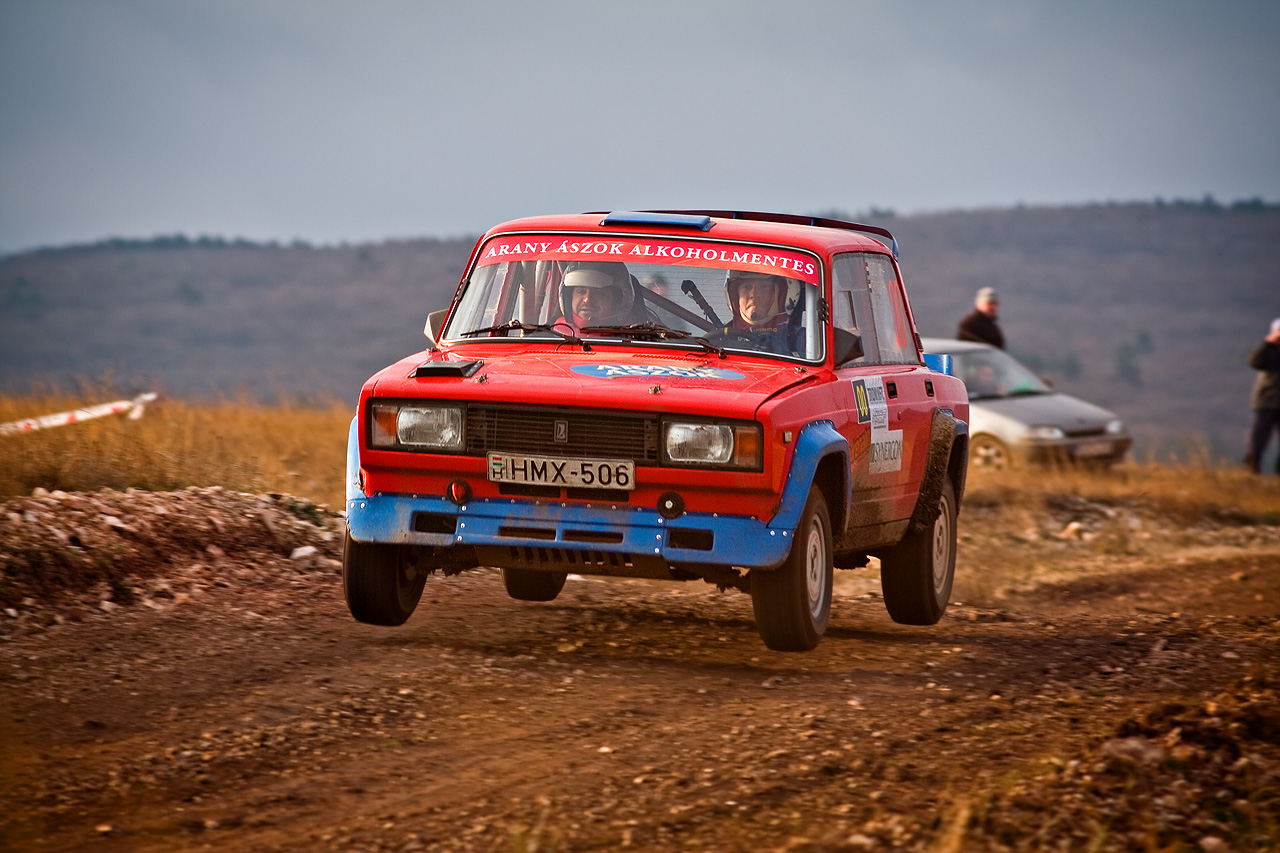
[(205, 318), (1148, 309)]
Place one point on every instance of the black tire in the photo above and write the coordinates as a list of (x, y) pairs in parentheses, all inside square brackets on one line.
[(533, 585), (381, 584), (989, 453), (916, 574), (793, 602)]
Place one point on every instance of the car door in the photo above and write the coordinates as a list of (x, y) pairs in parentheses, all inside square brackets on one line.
[(884, 390), (909, 392)]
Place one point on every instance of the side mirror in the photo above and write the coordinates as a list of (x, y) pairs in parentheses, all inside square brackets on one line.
[(848, 346), (435, 324)]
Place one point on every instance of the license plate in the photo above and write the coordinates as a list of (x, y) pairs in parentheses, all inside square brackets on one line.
[(564, 473), (1094, 448)]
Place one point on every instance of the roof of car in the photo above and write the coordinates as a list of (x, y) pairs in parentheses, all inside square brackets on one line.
[(813, 233), (951, 345)]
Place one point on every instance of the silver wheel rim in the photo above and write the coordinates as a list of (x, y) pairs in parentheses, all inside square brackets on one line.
[(815, 569), (989, 454), (941, 548)]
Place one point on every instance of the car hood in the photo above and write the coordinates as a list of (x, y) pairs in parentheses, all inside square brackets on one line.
[(666, 381), (1070, 414)]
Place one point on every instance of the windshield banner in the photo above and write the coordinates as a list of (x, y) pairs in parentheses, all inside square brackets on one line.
[(790, 264)]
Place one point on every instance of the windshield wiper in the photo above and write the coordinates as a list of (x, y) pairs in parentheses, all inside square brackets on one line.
[(513, 325), (647, 329), (650, 330), (708, 346)]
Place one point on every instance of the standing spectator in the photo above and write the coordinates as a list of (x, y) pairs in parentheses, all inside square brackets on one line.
[(1265, 359), (981, 325)]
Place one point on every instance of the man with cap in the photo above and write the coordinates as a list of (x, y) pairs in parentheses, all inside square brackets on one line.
[(1265, 359), (980, 325), (594, 294)]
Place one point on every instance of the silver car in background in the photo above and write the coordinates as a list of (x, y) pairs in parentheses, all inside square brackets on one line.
[(1014, 417)]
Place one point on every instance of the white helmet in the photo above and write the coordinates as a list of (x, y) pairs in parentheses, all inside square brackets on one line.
[(781, 284), (603, 274)]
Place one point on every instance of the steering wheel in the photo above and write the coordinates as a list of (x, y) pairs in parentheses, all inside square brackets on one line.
[(721, 337)]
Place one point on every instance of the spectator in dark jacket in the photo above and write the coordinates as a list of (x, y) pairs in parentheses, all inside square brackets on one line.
[(981, 325), (1265, 359)]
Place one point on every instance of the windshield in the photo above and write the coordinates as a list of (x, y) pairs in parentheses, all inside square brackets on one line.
[(647, 291), (993, 373)]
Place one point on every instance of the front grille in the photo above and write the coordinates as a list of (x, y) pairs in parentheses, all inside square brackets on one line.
[(590, 435)]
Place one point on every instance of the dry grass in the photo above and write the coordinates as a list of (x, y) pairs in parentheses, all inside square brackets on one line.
[(1188, 494), (297, 449), (239, 445), (1025, 527)]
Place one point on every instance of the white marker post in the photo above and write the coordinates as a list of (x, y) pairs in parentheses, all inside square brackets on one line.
[(134, 407)]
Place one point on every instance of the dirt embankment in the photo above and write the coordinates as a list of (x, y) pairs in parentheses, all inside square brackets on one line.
[(179, 671)]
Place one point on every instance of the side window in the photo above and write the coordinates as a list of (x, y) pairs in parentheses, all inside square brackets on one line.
[(852, 298), (893, 331)]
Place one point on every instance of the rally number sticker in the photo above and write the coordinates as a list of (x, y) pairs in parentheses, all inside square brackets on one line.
[(873, 408)]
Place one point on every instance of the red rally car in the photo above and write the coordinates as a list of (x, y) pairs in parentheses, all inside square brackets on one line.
[(729, 396)]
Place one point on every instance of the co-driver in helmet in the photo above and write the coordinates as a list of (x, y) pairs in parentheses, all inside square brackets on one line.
[(759, 310)]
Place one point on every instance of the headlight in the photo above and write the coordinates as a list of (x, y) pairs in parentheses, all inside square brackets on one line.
[(1046, 433), (1115, 427), (409, 426), (728, 445)]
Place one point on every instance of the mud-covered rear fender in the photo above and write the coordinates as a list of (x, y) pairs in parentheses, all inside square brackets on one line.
[(947, 433)]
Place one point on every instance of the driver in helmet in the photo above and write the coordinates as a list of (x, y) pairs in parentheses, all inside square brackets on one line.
[(759, 309), (594, 293)]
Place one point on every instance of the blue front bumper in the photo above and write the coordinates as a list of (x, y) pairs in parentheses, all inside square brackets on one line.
[(736, 540)]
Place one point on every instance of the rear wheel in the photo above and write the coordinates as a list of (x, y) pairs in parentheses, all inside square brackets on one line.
[(382, 585), (530, 585), (917, 573), (793, 602), (989, 453)]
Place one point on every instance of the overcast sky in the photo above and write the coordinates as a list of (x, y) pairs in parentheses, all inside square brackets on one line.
[(354, 121)]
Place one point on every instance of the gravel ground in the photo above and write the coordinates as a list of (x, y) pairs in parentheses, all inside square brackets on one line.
[(179, 671)]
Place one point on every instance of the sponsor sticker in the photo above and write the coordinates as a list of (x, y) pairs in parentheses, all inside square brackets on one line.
[(873, 407), (649, 371), (783, 262)]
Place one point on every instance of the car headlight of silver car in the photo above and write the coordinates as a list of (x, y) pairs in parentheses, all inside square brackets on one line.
[(727, 445), (1115, 426), (413, 426), (1046, 433)]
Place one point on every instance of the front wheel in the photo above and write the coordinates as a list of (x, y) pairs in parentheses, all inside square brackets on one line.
[(532, 585), (381, 584), (917, 573), (792, 603)]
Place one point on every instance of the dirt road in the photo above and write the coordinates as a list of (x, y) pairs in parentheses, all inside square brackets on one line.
[(231, 703)]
